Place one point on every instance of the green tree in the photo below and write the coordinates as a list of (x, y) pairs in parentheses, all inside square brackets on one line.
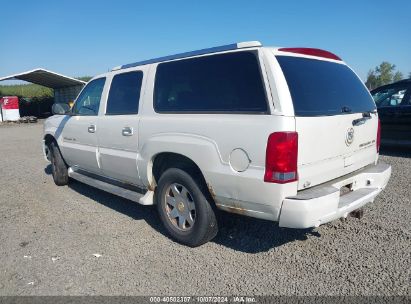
[(26, 90), (84, 78), (372, 80), (383, 74), (397, 76), (386, 72)]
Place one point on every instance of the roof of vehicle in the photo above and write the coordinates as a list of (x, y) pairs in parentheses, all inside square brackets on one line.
[(404, 80), (294, 51), (222, 48), (393, 84)]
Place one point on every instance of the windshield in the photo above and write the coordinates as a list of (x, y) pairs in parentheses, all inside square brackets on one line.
[(320, 88), (393, 96)]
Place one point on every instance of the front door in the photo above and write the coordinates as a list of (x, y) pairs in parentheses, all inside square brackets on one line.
[(79, 133), (118, 130)]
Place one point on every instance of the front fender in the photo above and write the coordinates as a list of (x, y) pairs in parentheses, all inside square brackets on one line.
[(54, 125)]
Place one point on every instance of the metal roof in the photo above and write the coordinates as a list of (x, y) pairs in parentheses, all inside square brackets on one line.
[(216, 49), (46, 78)]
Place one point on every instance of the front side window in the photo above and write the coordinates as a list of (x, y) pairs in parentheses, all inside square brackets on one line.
[(217, 84), (390, 97), (124, 94), (88, 102)]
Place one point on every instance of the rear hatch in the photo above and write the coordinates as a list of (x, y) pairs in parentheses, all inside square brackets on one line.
[(335, 118)]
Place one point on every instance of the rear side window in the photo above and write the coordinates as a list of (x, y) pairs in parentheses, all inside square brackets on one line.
[(320, 88), (214, 84), (124, 94)]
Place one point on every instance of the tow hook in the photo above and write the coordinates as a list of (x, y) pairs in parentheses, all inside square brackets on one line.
[(359, 213)]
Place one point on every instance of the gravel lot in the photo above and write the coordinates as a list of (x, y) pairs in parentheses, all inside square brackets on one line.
[(49, 237)]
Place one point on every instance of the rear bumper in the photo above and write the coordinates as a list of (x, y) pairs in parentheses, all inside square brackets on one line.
[(322, 204)]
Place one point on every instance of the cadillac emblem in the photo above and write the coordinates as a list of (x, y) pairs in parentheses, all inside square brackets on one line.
[(349, 138)]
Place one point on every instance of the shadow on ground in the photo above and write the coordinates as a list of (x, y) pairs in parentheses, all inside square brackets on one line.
[(48, 170), (237, 232), (252, 235)]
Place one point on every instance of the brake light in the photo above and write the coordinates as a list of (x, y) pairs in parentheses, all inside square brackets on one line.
[(311, 52), (281, 158), (378, 136)]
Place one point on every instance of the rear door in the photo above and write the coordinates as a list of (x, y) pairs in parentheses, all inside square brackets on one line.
[(118, 132), (335, 118), (79, 133)]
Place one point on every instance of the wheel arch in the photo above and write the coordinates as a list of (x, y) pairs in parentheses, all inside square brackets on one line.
[(162, 161), (200, 152), (48, 139)]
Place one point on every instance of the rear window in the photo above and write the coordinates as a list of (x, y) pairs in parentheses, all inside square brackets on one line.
[(211, 84), (320, 88)]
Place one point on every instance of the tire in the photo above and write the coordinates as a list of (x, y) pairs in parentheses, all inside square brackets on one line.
[(200, 225), (58, 166)]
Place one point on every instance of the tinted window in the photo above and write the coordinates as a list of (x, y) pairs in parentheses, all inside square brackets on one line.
[(124, 93), (88, 102), (324, 88), (217, 83)]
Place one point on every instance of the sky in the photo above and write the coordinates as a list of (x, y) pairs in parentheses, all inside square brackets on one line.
[(79, 38)]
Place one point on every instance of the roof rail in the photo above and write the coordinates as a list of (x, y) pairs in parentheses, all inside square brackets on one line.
[(228, 47)]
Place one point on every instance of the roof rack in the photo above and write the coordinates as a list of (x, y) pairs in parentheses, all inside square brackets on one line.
[(228, 47)]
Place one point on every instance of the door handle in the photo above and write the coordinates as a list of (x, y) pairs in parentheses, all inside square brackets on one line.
[(127, 131), (91, 129)]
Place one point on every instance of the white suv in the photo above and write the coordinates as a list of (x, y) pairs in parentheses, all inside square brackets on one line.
[(283, 134)]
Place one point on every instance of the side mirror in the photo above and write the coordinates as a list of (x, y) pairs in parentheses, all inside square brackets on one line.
[(60, 108)]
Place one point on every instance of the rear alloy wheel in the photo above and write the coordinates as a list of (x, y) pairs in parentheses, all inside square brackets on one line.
[(180, 207), (184, 209)]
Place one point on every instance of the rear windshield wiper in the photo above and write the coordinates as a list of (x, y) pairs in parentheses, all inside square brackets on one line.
[(346, 109), (365, 116)]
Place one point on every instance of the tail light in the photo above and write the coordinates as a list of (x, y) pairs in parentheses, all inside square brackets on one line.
[(378, 136), (281, 158)]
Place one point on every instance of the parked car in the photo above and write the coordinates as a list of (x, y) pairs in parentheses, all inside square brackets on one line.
[(282, 134), (394, 109)]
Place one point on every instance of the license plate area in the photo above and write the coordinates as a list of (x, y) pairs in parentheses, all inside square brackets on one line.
[(344, 190)]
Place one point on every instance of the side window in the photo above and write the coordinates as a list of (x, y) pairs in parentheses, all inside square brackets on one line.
[(88, 101), (217, 83), (124, 94), (390, 97)]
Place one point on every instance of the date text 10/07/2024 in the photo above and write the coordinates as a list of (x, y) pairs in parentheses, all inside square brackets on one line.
[(203, 299)]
